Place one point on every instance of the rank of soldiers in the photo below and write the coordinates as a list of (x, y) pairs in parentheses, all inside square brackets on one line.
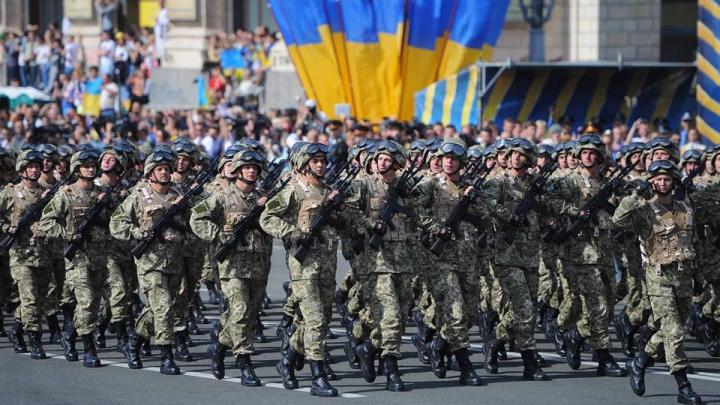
[(512, 238)]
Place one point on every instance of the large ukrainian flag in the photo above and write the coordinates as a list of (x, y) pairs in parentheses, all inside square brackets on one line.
[(375, 54), (583, 92), (708, 63)]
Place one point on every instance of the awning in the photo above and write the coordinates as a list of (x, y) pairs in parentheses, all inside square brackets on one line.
[(527, 91)]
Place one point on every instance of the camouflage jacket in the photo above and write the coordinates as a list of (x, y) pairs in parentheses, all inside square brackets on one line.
[(30, 247)]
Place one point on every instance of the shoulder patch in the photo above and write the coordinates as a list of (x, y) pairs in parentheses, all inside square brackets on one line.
[(277, 202), (201, 208)]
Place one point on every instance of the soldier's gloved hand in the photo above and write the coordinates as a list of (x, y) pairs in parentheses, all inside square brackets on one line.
[(380, 228), (445, 233)]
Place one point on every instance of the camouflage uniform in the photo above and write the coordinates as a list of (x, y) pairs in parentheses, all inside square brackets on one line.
[(242, 274), (87, 272)]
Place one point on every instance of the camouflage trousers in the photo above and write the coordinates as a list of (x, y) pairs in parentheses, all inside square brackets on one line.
[(517, 317), (426, 304), (87, 277), (159, 316), (192, 268), (548, 284), (244, 297), (455, 294), (348, 281), (58, 293), (390, 305), (712, 279), (590, 313), (32, 283), (121, 272), (637, 302), (486, 283), (314, 299), (359, 306), (209, 272), (668, 317)]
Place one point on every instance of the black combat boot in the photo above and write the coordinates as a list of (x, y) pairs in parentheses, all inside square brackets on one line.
[(328, 357), (366, 355), (451, 362), (490, 348), (212, 293), (167, 361), (487, 323), (54, 329), (340, 299), (3, 332), (266, 301), (636, 368), (686, 395), (331, 376), (247, 376), (625, 333), (215, 331), (381, 367), (438, 348), (320, 385), (468, 376), (216, 352), (420, 341), (258, 335), (185, 334), (539, 360), (181, 351), (68, 311), (196, 311), (286, 369), (145, 349), (573, 344), (191, 326), (36, 349), (99, 332), (90, 358), (540, 312), (607, 365), (17, 338), (349, 348), (137, 306), (710, 337), (133, 351), (502, 353), (288, 291), (642, 337), (285, 323), (394, 382), (68, 343), (122, 338), (531, 371)]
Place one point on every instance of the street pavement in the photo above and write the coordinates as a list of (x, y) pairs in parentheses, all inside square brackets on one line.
[(56, 381)]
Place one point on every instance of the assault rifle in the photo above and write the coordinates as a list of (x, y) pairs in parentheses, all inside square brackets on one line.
[(242, 227), (323, 217), (597, 203), (274, 171), (89, 219), (529, 201), (202, 176), (33, 213), (337, 171), (167, 218), (392, 206), (686, 186), (460, 212)]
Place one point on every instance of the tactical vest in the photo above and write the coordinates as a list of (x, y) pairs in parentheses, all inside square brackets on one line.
[(310, 201), (377, 198), (23, 198), (448, 197), (589, 187), (671, 239), (236, 208), (80, 203), (512, 195), (153, 206)]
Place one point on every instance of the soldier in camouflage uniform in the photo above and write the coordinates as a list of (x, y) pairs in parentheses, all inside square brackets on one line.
[(665, 228), (707, 199), (515, 266), (160, 268), (455, 278), (29, 266), (547, 296), (55, 248), (585, 260), (7, 166), (288, 217), (242, 273), (390, 275), (86, 273)]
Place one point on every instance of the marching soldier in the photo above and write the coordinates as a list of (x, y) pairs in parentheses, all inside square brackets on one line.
[(86, 273), (242, 275), (288, 217), (29, 265), (160, 268), (665, 228)]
